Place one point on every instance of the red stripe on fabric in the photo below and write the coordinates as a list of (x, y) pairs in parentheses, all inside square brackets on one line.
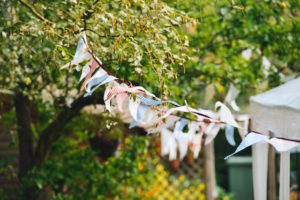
[(94, 66)]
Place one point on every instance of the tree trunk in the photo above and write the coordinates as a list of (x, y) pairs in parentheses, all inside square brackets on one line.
[(24, 134), (22, 106)]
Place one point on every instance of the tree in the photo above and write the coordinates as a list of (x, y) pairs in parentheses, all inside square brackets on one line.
[(142, 42), (138, 41)]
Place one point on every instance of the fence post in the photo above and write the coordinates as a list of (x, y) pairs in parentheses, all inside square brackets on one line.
[(209, 170)]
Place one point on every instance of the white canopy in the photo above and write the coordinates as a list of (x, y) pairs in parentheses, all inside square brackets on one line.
[(278, 111)]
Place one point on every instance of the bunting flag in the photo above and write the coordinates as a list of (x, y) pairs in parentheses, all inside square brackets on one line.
[(157, 102), (229, 133), (249, 140), (149, 102), (82, 54), (225, 115), (139, 107), (168, 123), (243, 121), (141, 114), (197, 140), (196, 145), (231, 97), (100, 81), (211, 132), (141, 111), (85, 71), (88, 73), (126, 89), (182, 139), (105, 96), (187, 109), (120, 100), (254, 138), (168, 144)]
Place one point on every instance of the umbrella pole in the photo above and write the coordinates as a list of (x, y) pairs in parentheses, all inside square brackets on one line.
[(284, 191)]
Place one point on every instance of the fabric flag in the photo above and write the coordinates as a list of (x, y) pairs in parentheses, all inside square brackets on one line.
[(120, 100), (225, 115), (229, 133), (152, 102), (197, 139), (211, 132), (132, 90), (138, 113), (150, 119), (97, 78), (81, 46), (279, 144), (168, 123), (185, 109), (231, 97), (149, 102), (106, 92), (100, 81), (123, 88), (124, 115), (145, 91), (91, 83), (182, 139), (82, 53), (249, 140), (182, 124), (283, 145), (168, 144), (118, 90), (94, 66), (85, 71), (107, 103), (243, 121), (174, 103)]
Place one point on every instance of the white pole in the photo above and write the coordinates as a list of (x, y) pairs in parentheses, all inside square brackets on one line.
[(284, 191), (260, 169)]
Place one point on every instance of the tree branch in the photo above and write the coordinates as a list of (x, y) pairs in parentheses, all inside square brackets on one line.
[(35, 12), (53, 132)]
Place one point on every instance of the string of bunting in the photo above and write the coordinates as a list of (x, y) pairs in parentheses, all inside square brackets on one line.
[(139, 107)]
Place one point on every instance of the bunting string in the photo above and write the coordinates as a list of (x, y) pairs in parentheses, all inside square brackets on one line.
[(141, 108)]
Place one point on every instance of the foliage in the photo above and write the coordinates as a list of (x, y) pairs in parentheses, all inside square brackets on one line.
[(223, 195), (135, 40), (79, 175), (4, 194), (228, 29)]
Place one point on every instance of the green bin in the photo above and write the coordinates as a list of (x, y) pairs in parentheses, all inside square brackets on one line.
[(240, 177)]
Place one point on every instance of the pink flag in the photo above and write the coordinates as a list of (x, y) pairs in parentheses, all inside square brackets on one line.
[(120, 100), (117, 90), (94, 66)]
